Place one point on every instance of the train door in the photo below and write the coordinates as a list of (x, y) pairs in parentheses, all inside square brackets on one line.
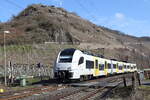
[(122, 67), (112, 69), (96, 69), (106, 68), (117, 68), (114, 66), (123, 70)]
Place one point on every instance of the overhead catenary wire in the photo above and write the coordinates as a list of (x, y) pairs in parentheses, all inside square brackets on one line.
[(8, 11), (85, 9), (10, 2), (14, 4)]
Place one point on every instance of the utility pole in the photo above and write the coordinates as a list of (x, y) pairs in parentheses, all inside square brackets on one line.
[(141, 56), (5, 66), (103, 50)]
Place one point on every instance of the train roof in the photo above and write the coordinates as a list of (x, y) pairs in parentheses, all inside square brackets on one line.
[(96, 55)]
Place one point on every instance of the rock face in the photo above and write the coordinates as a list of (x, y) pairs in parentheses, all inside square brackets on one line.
[(39, 24)]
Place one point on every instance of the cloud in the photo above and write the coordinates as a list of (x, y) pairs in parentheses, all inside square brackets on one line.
[(118, 19), (119, 16), (128, 25)]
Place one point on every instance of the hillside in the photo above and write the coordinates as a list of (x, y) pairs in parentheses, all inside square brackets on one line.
[(38, 24)]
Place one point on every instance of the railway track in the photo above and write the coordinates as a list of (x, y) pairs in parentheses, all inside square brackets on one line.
[(70, 93), (77, 93), (19, 91), (63, 92), (90, 93), (27, 92)]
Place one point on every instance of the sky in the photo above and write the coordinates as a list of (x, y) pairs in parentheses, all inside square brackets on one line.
[(128, 16)]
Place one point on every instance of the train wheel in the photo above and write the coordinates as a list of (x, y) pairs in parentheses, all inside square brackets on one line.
[(89, 77), (81, 78), (86, 77), (59, 80)]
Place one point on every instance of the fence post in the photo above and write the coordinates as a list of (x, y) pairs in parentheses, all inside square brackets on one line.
[(134, 79), (124, 81), (147, 74), (139, 80)]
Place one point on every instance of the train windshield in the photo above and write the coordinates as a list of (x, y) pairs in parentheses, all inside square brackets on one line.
[(66, 56)]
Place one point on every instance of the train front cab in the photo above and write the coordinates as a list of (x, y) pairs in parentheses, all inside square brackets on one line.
[(64, 64), (70, 64)]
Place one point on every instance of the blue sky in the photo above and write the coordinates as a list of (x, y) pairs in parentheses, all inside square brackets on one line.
[(128, 16)]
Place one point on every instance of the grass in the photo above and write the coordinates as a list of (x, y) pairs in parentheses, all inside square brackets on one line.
[(143, 87), (18, 53), (144, 92), (35, 80), (22, 88), (18, 87), (30, 83), (27, 48), (16, 48)]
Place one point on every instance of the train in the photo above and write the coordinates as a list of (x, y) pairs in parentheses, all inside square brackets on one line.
[(74, 64)]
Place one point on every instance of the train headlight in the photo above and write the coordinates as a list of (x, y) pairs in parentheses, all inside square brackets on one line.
[(57, 68)]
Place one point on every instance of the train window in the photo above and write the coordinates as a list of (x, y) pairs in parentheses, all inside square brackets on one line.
[(134, 67), (120, 67), (66, 55), (114, 66), (89, 64), (65, 59), (81, 60), (128, 67), (96, 64), (117, 65), (101, 66), (67, 52), (109, 66), (125, 67)]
